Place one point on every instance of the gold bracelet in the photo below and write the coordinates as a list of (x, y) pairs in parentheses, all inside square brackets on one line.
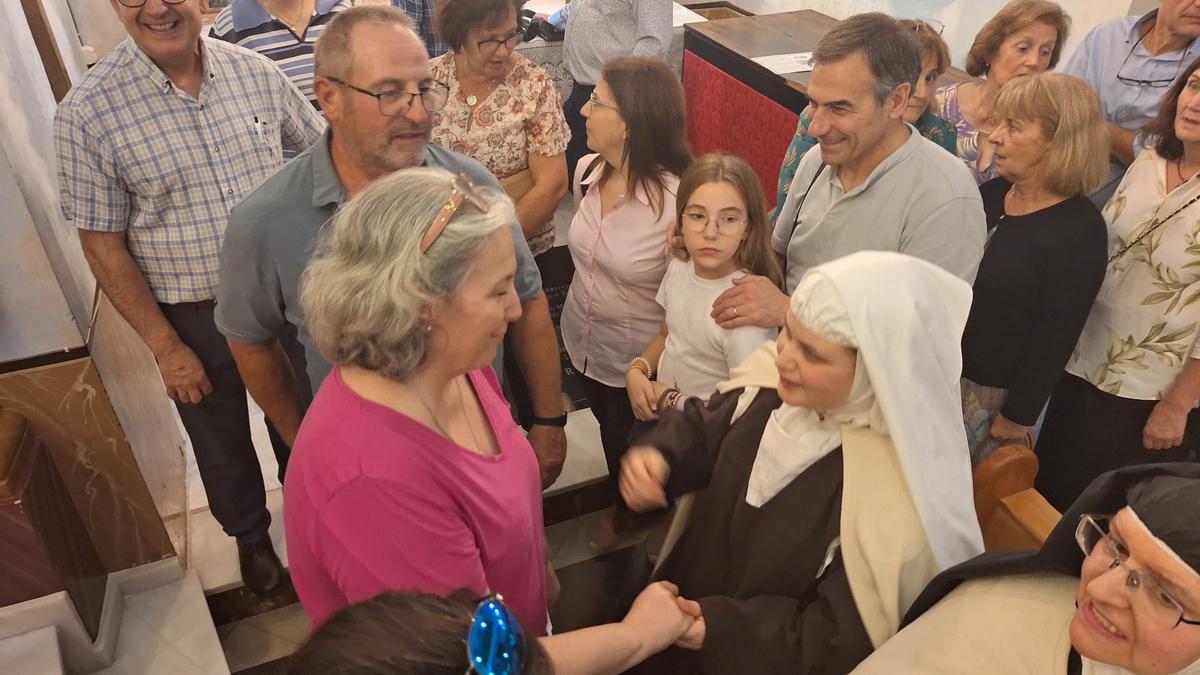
[(642, 364)]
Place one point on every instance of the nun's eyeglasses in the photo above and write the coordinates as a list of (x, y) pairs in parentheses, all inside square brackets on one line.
[(1094, 540)]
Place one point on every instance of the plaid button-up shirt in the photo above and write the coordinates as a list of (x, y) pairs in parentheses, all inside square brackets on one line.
[(135, 154), (421, 12)]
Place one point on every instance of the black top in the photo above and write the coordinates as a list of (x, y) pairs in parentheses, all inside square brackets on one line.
[(1036, 283)]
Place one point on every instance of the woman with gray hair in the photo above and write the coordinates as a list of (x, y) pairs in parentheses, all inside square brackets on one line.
[(408, 472)]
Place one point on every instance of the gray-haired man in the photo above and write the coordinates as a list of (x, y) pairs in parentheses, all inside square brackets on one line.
[(374, 83), (873, 183)]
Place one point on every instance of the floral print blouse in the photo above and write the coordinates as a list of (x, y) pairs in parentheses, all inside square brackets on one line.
[(945, 104), (522, 115), (1142, 327)]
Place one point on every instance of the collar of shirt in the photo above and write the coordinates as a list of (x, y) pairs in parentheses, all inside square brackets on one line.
[(1135, 33), (156, 75), (247, 14), (639, 190), (327, 188), (898, 155)]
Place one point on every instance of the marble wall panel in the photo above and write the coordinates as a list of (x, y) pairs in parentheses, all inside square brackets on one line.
[(46, 548), (69, 409)]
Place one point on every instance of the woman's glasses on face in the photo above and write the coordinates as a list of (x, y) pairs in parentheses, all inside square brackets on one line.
[(728, 224), (601, 104), (509, 41), (495, 643), (1094, 539)]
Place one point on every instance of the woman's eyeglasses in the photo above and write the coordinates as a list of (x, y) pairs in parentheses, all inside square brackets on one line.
[(601, 104), (462, 189), (510, 42), (1094, 539), (495, 643)]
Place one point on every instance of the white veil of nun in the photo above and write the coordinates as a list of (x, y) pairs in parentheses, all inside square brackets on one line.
[(905, 316)]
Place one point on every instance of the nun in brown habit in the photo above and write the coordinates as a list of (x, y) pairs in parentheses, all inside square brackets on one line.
[(835, 475), (1115, 590)]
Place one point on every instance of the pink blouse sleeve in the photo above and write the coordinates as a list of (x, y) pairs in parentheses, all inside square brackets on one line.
[(547, 128), (376, 536)]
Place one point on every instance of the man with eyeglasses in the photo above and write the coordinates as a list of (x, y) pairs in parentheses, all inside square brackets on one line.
[(1105, 595), (1131, 61), (374, 83), (155, 145)]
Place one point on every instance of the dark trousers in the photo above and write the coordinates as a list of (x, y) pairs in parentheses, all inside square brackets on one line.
[(613, 411), (578, 146), (219, 428), (1089, 432)]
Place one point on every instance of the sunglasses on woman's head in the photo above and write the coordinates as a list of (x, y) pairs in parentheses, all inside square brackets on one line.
[(495, 643)]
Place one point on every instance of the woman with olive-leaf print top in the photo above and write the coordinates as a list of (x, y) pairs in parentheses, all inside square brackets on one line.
[(1130, 391)]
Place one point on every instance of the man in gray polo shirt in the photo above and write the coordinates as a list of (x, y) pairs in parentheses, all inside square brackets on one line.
[(873, 183), (374, 84)]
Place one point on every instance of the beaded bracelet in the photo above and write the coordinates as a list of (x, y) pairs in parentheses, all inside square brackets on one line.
[(670, 399), (642, 364)]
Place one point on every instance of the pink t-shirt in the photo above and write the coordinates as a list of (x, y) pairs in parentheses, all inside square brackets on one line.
[(376, 501)]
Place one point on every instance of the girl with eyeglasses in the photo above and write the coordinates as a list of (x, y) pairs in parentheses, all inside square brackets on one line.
[(721, 215), (1105, 595)]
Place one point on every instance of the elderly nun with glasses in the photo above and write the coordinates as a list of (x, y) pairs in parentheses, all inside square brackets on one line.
[(1115, 590), (503, 110), (408, 471)]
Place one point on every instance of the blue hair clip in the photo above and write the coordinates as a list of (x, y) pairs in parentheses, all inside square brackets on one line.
[(495, 643)]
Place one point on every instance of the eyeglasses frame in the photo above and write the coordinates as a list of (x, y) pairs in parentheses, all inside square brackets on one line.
[(518, 35), (1153, 84), (412, 95), (1134, 578), (490, 606), (462, 190), (741, 225), (601, 104)]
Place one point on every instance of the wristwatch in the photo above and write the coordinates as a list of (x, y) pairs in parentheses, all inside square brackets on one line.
[(560, 421)]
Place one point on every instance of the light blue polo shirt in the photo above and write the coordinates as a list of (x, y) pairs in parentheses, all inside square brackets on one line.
[(272, 234), (1132, 106)]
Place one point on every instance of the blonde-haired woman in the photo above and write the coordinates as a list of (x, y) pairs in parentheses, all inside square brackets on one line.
[(1044, 261), (1024, 38), (408, 471)]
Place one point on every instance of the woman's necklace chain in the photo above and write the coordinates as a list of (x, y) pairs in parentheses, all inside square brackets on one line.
[(462, 400), (473, 99), (1154, 225)]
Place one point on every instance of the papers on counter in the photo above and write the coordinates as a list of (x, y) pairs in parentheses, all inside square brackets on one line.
[(800, 62), (681, 15)]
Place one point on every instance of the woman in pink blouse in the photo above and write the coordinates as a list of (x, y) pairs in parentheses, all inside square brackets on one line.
[(408, 472), (503, 110), (626, 201)]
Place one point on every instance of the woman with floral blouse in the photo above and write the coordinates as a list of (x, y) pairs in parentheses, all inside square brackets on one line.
[(1130, 391), (503, 110)]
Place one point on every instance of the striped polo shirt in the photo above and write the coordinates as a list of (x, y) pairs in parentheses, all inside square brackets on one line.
[(246, 23)]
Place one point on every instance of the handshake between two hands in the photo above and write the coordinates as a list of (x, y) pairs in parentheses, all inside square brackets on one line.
[(660, 617)]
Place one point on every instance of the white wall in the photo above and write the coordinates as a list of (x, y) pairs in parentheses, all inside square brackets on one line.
[(964, 18)]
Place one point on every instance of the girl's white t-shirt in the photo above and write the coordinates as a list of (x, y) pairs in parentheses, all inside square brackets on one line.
[(699, 354)]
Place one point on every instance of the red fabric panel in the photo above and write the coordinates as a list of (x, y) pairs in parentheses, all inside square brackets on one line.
[(726, 115)]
